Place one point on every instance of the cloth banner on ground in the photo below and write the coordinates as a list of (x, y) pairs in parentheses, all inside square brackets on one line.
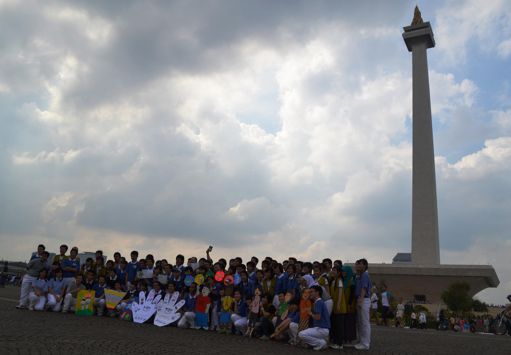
[(85, 303), (113, 298)]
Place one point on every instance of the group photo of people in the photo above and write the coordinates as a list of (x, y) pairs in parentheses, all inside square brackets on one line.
[(316, 304)]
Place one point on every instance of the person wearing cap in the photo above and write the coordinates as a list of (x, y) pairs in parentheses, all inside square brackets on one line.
[(34, 267), (71, 267)]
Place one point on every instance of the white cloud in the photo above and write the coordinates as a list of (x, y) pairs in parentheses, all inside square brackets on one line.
[(461, 24), (504, 48), (278, 135)]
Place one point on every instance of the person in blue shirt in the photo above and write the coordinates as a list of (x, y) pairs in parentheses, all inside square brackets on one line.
[(317, 335), (37, 298), (177, 279), (292, 284), (122, 273), (99, 300), (362, 294), (246, 287), (280, 283), (188, 318), (56, 291), (132, 268), (239, 318), (71, 267)]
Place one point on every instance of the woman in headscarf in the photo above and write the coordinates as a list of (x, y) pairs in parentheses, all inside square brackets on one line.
[(348, 305), (336, 319)]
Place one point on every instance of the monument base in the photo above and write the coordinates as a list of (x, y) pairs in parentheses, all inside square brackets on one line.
[(425, 283)]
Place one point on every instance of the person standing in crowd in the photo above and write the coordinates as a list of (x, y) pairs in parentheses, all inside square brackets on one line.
[(71, 267), (317, 335), (34, 267), (374, 304), (362, 293), (61, 256), (422, 320), (400, 312), (385, 304), (337, 321), (349, 306), (39, 253)]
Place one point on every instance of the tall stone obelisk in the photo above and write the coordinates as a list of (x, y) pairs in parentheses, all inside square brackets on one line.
[(425, 245)]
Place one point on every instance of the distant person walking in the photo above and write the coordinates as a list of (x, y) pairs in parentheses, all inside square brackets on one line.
[(362, 293), (385, 304)]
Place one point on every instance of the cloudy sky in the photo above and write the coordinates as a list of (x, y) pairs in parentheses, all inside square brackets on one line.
[(260, 127)]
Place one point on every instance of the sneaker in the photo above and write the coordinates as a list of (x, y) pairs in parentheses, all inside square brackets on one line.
[(21, 307), (361, 347), (264, 337), (30, 308), (336, 346), (320, 347)]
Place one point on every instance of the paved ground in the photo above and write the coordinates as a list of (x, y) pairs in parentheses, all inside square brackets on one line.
[(25, 332)]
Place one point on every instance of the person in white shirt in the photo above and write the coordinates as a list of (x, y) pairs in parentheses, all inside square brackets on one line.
[(422, 320), (385, 304), (374, 304), (400, 312)]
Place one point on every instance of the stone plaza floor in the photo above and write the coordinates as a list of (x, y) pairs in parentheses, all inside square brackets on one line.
[(27, 332)]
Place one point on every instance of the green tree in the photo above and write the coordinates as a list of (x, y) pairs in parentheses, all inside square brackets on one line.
[(456, 297), (478, 306)]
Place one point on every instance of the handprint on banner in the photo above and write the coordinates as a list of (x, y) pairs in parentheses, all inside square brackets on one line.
[(145, 308), (168, 310)]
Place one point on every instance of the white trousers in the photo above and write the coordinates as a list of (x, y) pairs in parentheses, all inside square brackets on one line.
[(315, 337), (214, 318), (99, 305), (69, 303), (240, 323), (293, 332), (363, 324), (187, 320), (53, 304), (26, 285), (36, 302), (329, 306)]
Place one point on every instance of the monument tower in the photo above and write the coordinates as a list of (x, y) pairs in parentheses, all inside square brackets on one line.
[(425, 245), (419, 276)]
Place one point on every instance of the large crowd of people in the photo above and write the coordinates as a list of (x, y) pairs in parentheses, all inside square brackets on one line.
[(317, 304)]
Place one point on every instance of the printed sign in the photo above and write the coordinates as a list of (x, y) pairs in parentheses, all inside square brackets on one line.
[(85, 303)]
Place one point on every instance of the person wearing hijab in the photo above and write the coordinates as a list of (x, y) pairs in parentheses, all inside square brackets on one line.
[(348, 306)]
